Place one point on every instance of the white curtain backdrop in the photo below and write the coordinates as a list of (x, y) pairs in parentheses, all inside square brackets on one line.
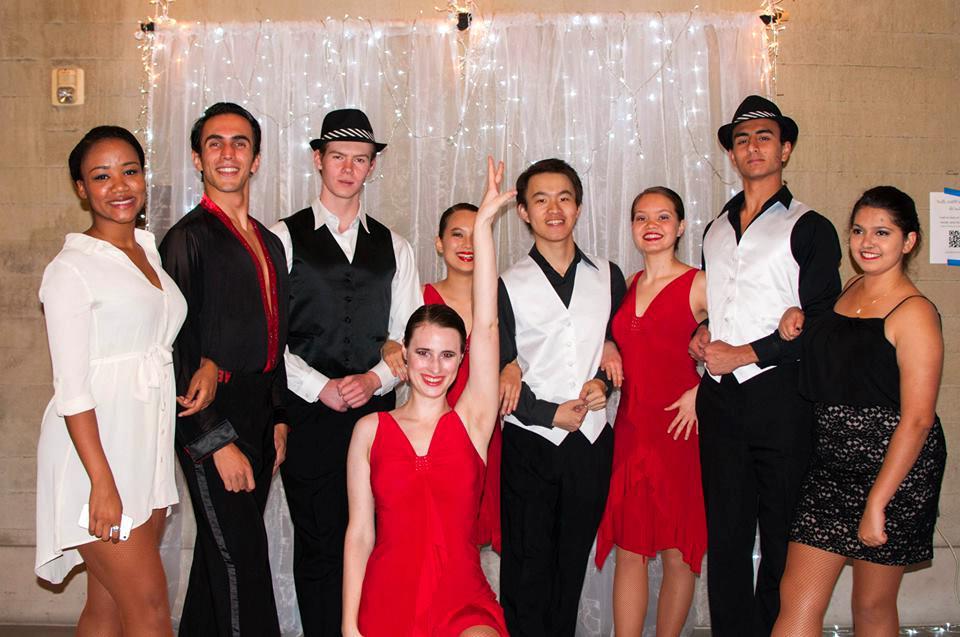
[(630, 100)]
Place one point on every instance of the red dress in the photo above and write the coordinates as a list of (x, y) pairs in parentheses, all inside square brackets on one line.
[(488, 522), (656, 499), (423, 578)]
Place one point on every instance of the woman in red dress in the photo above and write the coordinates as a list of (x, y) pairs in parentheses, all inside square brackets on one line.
[(415, 475), (454, 243), (656, 502)]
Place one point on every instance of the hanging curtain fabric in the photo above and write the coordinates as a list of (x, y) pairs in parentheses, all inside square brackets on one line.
[(630, 100)]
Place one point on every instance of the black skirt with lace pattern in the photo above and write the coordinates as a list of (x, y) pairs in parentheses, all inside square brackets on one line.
[(851, 445)]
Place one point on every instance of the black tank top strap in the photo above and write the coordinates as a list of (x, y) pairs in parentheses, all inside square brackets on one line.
[(912, 296), (848, 286)]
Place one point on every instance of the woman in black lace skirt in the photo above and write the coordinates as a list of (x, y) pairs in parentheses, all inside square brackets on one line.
[(872, 368)]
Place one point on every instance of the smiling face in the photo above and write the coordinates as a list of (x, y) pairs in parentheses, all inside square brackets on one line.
[(551, 208), (877, 243), (456, 244), (433, 358), (757, 151), (655, 224), (226, 156), (344, 167), (112, 182)]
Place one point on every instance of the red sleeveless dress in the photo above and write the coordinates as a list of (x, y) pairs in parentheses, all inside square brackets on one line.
[(423, 578), (656, 498), (488, 522)]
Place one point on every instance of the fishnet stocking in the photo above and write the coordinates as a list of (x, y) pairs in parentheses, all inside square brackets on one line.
[(805, 590)]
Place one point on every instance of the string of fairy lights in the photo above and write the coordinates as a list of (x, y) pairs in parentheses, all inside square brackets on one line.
[(477, 43), (774, 17)]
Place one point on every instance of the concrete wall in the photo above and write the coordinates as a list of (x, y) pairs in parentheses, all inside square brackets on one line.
[(873, 85)]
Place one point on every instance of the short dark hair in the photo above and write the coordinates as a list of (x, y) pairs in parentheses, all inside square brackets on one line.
[(223, 108), (439, 315), (664, 191), (552, 165), (901, 207), (97, 134), (445, 215)]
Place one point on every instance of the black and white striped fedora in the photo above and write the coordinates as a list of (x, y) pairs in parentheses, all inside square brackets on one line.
[(756, 107), (346, 125)]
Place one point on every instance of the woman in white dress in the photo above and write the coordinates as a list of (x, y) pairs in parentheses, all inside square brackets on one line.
[(106, 440)]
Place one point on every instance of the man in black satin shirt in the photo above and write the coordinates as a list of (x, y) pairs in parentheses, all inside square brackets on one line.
[(231, 271)]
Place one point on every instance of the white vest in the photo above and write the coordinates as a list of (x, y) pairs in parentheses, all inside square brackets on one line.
[(751, 284), (559, 348)]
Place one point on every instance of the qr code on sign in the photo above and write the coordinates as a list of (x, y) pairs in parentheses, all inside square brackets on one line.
[(953, 238)]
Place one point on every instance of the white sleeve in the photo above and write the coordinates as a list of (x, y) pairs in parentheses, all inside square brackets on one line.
[(405, 297), (283, 233), (303, 380), (68, 311)]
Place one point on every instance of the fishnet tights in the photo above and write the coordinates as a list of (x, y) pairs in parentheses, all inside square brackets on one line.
[(807, 586)]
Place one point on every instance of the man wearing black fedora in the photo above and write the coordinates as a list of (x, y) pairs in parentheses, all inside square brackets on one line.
[(353, 284), (764, 253)]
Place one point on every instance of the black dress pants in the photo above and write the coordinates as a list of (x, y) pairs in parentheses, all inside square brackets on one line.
[(230, 591), (315, 482), (755, 444), (552, 500)]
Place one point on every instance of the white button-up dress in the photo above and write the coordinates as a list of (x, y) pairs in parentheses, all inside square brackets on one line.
[(110, 333)]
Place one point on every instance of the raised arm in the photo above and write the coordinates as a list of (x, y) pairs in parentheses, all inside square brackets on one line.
[(479, 404)]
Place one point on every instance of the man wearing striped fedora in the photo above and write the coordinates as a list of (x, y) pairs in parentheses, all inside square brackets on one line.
[(764, 253), (353, 284)]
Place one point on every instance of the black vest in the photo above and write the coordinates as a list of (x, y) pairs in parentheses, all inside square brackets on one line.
[(339, 311)]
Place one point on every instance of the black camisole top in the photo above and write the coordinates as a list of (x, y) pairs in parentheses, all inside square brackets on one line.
[(849, 361)]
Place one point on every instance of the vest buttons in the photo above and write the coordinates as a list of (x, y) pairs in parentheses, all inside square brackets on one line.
[(347, 319), (348, 298), (346, 340)]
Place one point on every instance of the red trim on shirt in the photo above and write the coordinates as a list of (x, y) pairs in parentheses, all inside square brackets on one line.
[(269, 308)]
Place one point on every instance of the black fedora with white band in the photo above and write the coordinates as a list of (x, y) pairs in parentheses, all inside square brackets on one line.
[(346, 125), (756, 107)]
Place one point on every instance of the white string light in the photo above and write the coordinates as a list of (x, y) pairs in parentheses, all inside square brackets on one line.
[(774, 16), (487, 90)]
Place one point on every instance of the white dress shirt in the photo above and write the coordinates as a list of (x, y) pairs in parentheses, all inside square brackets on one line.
[(405, 297)]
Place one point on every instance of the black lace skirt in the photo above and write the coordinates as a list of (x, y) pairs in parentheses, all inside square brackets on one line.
[(851, 444)]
